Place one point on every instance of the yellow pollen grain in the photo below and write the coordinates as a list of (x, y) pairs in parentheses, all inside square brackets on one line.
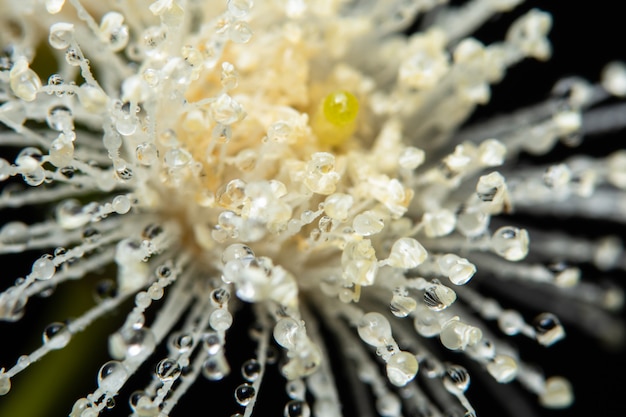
[(335, 119)]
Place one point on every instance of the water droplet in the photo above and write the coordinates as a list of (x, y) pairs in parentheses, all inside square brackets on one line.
[(215, 368), (220, 296), (402, 306), (296, 389), (105, 290), (402, 368), (439, 297), (244, 393), (240, 32), (557, 393), (142, 404), (132, 344), (182, 342), (407, 253), (388, 404), (510, 242), (24, 82), (503, 368), (221, 319), (212, 343), (374, 329), (548, 329), (112, 377), (5, 383), (237, 251), (456, 335), (73, 57), (239, 8), (43, 268), (56, 335), (168, 370), (60, 118), (110, 403), (251, 369), (146, 154), (456, 379), (297, 408), (121, 204), (79, 407), (54, 6)]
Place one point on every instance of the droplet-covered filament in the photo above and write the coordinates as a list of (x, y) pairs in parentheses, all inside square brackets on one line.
[(335, 119)]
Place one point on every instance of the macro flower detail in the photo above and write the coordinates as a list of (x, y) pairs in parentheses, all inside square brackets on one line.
[(308, 163)]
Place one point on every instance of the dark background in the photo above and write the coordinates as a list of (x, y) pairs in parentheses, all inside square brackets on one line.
[(585, 36)]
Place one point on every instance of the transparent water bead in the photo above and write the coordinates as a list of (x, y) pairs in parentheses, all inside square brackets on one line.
[(60, 118), (215, 368), (251, 369), (142, 404), (212, 343), (548, 329), (237, 251), (557, 393), (374, 329), (491, 188), (439, 297), (402, 368), (367, 223), (220, 297), (61, 35), (239, 8), (54, 6), (510, 242), (389, 405), (168, 370), (456, 379), (132, 344), (244, 393), (406, 253), (5, 383), (221, 319), (82, 407), (297, 408), (503, 368), (411, 158), (288, 333), (25, 82), (401, 305), (439, 223), (427, 323), (56, 335), (456, 335), (146, 153), (14, 232), (114, 31), (112, 376), (511, 322), (458, 270), (337, 206), (182, 342), (43, 268), (296, 389)]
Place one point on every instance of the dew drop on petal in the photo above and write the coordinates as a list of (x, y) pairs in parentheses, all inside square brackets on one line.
[(56, 335), (112, 376), (402, 368), (168, 370), (244, 393)]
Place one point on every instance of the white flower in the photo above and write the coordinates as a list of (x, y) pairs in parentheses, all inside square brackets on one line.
[(307, 161)]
